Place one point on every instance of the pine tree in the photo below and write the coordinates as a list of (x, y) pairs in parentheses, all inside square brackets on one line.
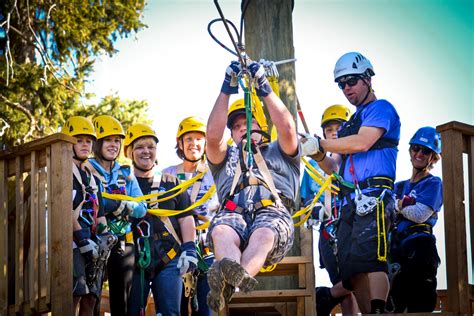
[(51, 46)]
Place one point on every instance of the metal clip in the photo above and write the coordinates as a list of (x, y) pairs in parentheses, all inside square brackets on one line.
[(147, 229)]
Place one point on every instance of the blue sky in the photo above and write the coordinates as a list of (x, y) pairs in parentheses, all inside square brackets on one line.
[(422, 52)]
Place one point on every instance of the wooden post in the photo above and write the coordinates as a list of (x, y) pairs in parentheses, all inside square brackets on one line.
[(455, 223), (269, 35), (34, 245), (60, 228), (3, 237), (19, 244)]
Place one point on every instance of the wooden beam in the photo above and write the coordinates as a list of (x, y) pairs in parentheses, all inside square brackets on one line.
[(60, 230)]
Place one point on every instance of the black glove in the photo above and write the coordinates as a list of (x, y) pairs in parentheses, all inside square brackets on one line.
[(230, 84), (188, 260), (87, 246), (262, 86)]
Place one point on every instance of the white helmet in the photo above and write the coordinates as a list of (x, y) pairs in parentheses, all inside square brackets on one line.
[(353, 63)]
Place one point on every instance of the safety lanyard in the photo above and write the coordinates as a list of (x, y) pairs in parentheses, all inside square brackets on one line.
[(92, 198)]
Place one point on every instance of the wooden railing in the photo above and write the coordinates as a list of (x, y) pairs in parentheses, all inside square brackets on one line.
[(458, 139), (35, 227)]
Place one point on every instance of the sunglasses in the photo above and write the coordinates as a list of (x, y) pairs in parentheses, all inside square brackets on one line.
[(351, 81), (417, 148)]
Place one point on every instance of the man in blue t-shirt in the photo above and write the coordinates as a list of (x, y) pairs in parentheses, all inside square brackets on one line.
[(365, 156)]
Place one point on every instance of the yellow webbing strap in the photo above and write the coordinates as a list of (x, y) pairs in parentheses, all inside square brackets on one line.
[(308, 209), (381, 232), (318, 177), (268, 269), (180, 188), (165, 212)]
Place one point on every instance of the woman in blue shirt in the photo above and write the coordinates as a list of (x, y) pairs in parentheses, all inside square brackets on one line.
[(116, 179), (418, 201)]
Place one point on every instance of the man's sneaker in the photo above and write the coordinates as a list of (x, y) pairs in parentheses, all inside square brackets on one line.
[(324, 301), (235, 275), (215, 297)]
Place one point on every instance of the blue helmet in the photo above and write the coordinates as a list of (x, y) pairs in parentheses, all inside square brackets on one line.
[(428, 137)]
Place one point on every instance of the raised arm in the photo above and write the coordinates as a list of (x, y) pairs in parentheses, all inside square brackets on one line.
[(281, 117), (216, 145)]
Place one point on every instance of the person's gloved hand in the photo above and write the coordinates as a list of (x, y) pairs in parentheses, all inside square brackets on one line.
[(231, 84), (135, 209), (262, 86), (404, 202), (188, 260), (87, 247), (310, 145)]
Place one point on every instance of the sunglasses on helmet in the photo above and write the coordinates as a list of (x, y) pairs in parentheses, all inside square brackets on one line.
[(351, 81), (417, 148)]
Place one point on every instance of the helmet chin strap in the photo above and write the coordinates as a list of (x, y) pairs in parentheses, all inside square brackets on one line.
[(142, 169), (184, 154), (76, 157), (369, 91)]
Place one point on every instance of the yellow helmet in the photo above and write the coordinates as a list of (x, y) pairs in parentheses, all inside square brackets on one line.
[(78, 125), (106, 125), (237, 108), (191, 124), (136, 131), (335, 112)]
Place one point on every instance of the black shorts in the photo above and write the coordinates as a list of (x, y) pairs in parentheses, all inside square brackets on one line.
[(327, 258), (362, 241), (81, 286)]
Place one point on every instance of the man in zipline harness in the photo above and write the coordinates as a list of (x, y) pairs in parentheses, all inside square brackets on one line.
[(253, 227), (190, 147), (413, 245), (165, 247), (365, 154)]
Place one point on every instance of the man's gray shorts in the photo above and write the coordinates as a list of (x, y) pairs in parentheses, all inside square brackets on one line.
[(278, 220)]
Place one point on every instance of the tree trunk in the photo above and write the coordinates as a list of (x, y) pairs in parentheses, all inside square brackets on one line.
[(269, 35)]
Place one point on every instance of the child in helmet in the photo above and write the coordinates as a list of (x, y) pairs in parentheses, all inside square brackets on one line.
[(88, 219), (327, 298), (165, 245), (190, 145), (117, 179), (413, 247)]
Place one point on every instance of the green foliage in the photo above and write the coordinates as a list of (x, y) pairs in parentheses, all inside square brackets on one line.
[(53, 46)]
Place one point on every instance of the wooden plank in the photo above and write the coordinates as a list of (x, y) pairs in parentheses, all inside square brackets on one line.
[(464, 128), (26, 162), (49, 202), (36, 145), (19, 242), (455, 228), (310, 302), (470, 170), (60, 231), (43, 273), (300, 306), (302, 276), (3, 237), (34, 245)]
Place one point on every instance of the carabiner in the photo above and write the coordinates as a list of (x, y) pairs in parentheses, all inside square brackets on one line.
[(147, 228)]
